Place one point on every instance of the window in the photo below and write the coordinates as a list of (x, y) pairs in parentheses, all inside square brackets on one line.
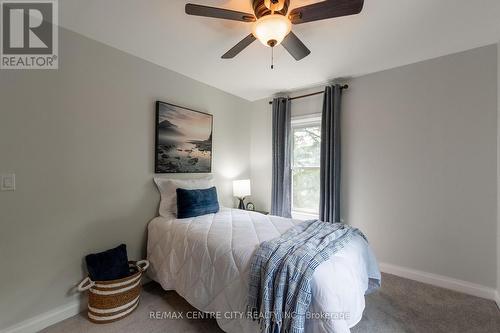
[(306, 139)]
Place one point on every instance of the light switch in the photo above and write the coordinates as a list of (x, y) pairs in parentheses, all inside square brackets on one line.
[(8, 182)]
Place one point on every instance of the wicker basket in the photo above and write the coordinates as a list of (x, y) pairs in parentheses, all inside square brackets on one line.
[(115, 299)]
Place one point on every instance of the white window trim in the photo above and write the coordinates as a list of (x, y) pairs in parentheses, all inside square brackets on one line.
[(297, 122)]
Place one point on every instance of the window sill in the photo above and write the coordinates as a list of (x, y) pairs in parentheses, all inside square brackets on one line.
[(304, 216)]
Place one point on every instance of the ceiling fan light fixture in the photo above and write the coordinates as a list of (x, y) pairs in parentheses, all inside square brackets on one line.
[(270, 30)]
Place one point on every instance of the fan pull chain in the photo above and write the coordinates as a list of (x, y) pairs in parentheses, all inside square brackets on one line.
[(272, 57)]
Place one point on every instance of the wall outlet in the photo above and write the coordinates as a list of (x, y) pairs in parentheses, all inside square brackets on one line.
[(8, 182)]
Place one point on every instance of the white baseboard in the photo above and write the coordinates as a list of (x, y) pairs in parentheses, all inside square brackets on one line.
[(497, 298), (46, 319), (442, 281)]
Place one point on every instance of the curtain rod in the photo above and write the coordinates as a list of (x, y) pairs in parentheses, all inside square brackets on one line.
[(345, 86)]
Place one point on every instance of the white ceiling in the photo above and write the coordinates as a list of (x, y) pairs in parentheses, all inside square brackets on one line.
[(387, 34)]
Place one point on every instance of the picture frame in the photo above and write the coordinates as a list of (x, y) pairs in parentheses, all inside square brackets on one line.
[(183, 139)]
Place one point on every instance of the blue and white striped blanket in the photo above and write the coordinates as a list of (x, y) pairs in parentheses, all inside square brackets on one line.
[(281, 271)]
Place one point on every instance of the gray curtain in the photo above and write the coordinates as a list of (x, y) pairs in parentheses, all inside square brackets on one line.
[(281, 184), (329, 203)]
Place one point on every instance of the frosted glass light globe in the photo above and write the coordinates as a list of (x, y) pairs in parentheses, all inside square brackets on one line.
[(270, 30)]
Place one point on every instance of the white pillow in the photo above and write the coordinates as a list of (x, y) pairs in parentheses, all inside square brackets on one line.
[(168, 187)]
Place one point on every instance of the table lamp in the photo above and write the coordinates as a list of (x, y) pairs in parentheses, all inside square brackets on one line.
[(241, 189)]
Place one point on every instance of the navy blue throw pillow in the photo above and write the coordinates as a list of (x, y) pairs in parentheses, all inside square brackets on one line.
[(191, 203), (108, 265)]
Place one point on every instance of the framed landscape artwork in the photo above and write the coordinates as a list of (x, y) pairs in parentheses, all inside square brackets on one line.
[(183, 140)]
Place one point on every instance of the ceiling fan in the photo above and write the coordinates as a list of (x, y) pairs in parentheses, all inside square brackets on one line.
[(272, 23)]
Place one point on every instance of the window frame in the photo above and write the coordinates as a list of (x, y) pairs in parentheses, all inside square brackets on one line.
[(297, 122)]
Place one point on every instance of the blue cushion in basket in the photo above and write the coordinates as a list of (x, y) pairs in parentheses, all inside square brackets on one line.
[(191, 203), (108, 265)]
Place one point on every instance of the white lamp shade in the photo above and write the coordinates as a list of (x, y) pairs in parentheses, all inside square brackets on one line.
[(241, 188)]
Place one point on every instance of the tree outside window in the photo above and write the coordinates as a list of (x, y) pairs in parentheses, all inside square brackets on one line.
[(306, 140)]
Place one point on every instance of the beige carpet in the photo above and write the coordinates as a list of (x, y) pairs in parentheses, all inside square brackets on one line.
[(401, 305)]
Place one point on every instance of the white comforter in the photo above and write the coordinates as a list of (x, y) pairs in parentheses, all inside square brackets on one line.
[(206, 260)]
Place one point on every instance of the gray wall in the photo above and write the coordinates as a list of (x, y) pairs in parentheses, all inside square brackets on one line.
[(80, 140), (419, 163)]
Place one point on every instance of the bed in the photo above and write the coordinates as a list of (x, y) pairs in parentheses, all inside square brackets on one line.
[(206, 260)]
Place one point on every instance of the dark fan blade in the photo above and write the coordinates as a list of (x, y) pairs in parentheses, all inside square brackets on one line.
[(295, 47), (226, 14), (239, 47), (325, 10)]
